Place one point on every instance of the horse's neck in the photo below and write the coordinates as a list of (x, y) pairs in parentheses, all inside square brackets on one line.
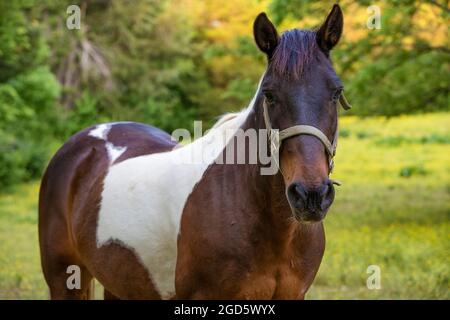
[(266, 190), (268, 196)]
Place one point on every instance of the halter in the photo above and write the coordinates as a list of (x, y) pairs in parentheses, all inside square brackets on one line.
[(276, 137)]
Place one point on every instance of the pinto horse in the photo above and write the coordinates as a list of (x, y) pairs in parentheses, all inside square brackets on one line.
[(114, 202)]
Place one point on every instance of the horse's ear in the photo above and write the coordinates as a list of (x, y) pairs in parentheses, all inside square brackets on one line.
[(329, 33), (266, 36)]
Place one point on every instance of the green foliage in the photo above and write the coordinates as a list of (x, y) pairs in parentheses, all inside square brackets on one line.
[(391, 71), (82, 115), (20, 160), (21, 47), (28, 95), (404, 82)]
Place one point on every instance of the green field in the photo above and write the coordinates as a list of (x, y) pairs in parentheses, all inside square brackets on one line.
[(393, 211)]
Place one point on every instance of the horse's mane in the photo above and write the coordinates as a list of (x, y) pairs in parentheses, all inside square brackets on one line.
[(225, 118), (294, 52)]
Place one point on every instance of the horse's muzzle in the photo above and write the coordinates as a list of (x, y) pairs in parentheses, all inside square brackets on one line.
[(310, 204)]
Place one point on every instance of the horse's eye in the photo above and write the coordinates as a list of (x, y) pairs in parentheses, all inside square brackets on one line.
[(336, 95), (269, 97)]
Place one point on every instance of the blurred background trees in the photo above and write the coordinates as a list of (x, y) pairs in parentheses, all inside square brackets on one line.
[(166, 63)]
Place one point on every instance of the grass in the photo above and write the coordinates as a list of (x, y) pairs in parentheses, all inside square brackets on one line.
[(20, 273), (392, 211)]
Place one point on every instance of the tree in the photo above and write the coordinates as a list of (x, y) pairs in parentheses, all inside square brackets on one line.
[(28, 95), (402, 67)]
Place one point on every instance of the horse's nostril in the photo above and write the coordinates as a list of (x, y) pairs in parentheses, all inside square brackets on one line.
[(300, 191), (324, 190), (297, 192), (316, 199), (327, 195)]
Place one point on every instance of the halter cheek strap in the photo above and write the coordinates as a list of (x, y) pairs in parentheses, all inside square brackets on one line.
[(276, 137)]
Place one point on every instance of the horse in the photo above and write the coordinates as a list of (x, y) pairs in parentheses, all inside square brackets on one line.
[(115, 203)]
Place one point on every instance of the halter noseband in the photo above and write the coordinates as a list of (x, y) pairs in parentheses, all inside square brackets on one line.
[(276, 137)]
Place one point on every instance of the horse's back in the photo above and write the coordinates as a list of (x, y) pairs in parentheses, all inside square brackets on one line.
[(88, 155)]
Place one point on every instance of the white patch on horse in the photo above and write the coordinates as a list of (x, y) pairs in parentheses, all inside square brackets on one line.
[(114, 152), (143, 200), (101, 132)]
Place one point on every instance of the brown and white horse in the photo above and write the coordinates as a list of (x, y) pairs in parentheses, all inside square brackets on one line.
[(115, 202)]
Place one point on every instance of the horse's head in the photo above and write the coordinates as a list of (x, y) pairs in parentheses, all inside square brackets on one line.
[(300, 89)]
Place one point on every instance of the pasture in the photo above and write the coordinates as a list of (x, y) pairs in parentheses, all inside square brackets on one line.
[(393, 210)]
